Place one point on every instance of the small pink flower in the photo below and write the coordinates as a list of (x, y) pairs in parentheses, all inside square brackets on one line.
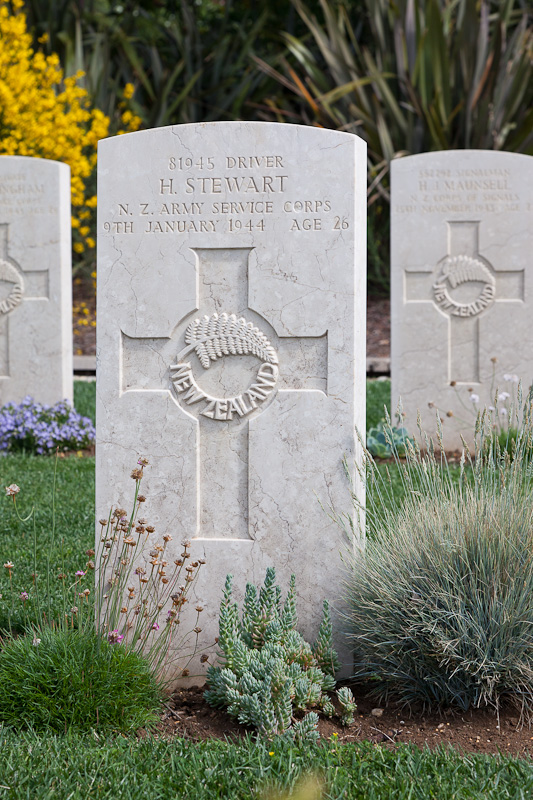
[(155, 626), (24, 596), (80, 573), (12, 490), (115, 637)]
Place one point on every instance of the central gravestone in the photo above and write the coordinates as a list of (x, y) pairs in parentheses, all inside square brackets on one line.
[(231, 350)]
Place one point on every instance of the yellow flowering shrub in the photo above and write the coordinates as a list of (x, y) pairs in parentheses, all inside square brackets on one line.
[(44, 114)]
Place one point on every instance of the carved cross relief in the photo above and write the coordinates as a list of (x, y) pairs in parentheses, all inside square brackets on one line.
[(16, 286), (463, 285), (223, 365)]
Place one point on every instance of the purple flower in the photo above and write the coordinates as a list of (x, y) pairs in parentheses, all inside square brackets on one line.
[(35, 428), (80, 573), (115, 637), (155, 626), (24, 596)]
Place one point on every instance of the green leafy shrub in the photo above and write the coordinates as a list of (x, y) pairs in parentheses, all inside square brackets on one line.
[(441, 601), (59, 679), (410, 77), (383, 440), (269, 671)]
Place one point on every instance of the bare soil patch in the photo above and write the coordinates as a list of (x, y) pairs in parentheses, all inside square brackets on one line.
[(83, 317), (378, 328), (187, 714)]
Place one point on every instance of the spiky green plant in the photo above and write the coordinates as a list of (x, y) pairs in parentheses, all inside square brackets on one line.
[(267, 670), (434, 75), (417, 75), (441, 602), (347, 705)]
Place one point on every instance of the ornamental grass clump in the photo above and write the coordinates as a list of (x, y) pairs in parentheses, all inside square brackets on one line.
[(441, 600), (58, 679), (31, 427), (269, 673)]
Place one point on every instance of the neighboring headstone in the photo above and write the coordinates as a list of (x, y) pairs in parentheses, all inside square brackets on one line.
[(35, 280), (231, 345), (461, 267)]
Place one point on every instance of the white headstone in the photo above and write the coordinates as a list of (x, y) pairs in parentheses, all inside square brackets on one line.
[(35, 280), (231, 344), (461, 267)]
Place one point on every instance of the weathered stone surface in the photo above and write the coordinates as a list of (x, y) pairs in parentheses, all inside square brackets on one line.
[(35, 280), (231, 345), (461, 267)]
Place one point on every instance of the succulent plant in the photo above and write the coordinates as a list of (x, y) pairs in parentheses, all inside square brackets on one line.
[(267, 670), (385, 440)]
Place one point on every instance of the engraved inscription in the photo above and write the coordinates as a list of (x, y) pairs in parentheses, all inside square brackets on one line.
[(187, 201), (21, 196), (223, 409), (472, 191)]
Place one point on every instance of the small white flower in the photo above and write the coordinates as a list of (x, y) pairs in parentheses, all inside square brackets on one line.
[(510, 378), (503, 412), (503, 396), (491, 408), (36, 641), (474, 398)]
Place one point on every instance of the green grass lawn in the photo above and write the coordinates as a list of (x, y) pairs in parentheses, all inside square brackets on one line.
[(92, 766), (85, 398), (103, 766), (377, 396)]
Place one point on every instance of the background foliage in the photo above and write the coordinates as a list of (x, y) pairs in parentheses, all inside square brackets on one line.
[(45, 114), (409, 76)]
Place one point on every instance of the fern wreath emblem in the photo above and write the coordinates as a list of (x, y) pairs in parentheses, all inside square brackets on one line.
[(457, 270), (9, 274), (224, 335)]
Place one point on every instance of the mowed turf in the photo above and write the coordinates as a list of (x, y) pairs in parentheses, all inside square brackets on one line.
[(94, 766), (63, 520)]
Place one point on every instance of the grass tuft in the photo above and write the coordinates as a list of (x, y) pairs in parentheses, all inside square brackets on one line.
[(61, 679), (441, 602)]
